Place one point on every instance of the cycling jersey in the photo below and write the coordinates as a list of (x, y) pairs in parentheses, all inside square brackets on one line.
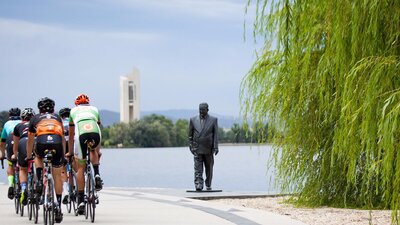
[(6, 136), (8, 128), (86, 120), (21, 129), (49, 132)]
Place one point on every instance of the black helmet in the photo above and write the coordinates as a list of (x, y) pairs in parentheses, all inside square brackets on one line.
[(27, 114), (64, 112), (46, 105), (14, 112)]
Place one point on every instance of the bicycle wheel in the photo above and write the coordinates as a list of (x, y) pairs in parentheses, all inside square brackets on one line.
[(45, 214), (30, 210), (36, 211), (87, 190), (91, 199), (16, 200), (48, 206), (71, 194), (21, 210), (30, 196)]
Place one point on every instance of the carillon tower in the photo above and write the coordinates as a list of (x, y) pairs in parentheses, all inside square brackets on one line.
[(130, 96)]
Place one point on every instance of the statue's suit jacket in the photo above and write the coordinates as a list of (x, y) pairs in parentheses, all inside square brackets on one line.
[(203, 138)]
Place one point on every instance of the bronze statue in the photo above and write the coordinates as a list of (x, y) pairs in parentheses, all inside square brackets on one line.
[(203, 143)]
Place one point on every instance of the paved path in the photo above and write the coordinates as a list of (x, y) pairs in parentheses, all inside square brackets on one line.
[(120, 206)]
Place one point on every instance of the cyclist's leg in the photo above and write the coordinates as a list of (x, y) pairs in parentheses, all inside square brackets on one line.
[(23, 173), (10, 168), (57, 166), (94, 158), (80, 150), (41, 146), (57, 163)]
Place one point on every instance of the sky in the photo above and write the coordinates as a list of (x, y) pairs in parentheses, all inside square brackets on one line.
[(187, 52)]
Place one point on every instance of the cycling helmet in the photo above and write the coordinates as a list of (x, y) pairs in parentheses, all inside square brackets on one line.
[(27, 114), (46, 105), (64, 112), (82, 99), (14, 112)]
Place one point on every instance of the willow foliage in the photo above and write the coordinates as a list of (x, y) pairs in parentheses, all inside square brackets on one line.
[(328, 78)]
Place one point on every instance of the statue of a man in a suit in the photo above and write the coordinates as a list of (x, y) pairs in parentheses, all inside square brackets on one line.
[(203, 143)]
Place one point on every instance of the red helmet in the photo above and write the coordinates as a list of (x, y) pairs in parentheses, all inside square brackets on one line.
[(82, 99)]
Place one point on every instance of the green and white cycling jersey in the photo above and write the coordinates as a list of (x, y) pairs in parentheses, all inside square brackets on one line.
[(85, 118)]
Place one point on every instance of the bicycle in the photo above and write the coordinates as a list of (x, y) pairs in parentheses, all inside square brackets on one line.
[(71, 184), (49, 190), (19, 208), (91, 198), (33, 202)]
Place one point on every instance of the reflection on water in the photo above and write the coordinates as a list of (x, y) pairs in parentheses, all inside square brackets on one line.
[(237, 168)]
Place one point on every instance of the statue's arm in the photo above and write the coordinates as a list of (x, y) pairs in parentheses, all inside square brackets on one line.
[(190, 136), (215, 137)]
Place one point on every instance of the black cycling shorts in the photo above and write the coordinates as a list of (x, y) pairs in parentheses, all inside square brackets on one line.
[(50, 142)]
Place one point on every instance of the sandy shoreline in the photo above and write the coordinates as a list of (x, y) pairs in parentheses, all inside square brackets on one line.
[(314, 216)]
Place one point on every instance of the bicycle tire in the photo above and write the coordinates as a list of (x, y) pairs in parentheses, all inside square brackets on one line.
[(87, 190), (31, 189), (71, 194), (45, 215), (16, 203), (52, 198), (92, 199), (30, 195), (30, 210), (36, 211), (48, 206), (21, 210)]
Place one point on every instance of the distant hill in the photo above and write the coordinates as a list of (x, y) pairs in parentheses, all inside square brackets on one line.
[(108, 117)]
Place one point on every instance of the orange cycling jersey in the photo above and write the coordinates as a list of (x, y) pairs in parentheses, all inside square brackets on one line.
[(49, 126)]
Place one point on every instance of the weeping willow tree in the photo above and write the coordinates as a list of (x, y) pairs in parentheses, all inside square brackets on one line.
[(328, 77)]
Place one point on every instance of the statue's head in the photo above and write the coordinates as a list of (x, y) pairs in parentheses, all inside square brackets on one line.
[(203, 109)]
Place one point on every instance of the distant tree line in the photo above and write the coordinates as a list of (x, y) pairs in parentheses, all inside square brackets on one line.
[(159, 131)]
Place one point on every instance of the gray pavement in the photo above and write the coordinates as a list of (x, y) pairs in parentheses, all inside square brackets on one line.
[(151, 206)]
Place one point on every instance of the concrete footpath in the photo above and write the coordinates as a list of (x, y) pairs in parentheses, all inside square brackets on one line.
[(151, 206)]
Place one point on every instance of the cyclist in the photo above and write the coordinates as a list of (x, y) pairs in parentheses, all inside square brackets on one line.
[(64, 114), (19, 150), (7, 143), (84, 128), (48, 129)]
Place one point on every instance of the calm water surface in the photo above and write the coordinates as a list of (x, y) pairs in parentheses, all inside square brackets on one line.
[(236, 168)]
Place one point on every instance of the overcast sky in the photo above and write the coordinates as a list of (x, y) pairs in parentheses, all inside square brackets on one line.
[(187, 51)]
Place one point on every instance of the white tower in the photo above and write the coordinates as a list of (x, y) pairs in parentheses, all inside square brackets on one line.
[(130, 96)]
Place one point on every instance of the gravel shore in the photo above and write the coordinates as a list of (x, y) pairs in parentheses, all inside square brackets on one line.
[(314, 216)]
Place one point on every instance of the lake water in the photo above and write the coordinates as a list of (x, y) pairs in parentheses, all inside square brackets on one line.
[(236, 168)]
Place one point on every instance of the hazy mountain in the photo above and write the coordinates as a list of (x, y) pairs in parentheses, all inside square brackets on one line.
[(108, 117)]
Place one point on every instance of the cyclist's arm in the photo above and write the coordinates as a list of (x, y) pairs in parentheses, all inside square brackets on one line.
[(2, 149), (15, 145)]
